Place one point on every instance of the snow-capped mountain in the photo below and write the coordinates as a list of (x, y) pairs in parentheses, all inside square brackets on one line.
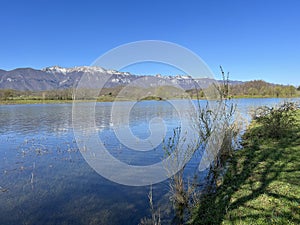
[(84, 69), (56, 77)]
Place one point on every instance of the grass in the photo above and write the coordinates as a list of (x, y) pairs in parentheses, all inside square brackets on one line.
[(47, 101), (262, 96), (32, 101), (112, 98), (261, 185)]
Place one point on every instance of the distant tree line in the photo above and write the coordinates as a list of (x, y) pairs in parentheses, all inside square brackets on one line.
[(262, 88), (9, 94), (106, 94), (255, 88)]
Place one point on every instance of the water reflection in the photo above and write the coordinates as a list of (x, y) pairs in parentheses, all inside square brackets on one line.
[(44, 179)]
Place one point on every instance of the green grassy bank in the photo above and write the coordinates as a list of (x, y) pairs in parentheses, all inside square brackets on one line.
[(48, 101), (32, 101), (261, 185)]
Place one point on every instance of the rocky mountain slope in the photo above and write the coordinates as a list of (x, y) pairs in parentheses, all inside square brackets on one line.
[(56, 77)]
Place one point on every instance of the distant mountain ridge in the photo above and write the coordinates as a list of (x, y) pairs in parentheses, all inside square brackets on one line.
[(55, 77)]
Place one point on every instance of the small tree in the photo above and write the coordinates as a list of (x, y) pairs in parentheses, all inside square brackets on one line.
[(8, 93)]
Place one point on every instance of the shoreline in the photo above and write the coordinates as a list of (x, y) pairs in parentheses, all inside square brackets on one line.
[(261, 183), (39, 101)]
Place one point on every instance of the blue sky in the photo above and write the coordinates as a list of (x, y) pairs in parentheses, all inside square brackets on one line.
[(257, 39)]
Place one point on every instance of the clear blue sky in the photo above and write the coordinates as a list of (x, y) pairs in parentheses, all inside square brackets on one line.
[(252, 39)]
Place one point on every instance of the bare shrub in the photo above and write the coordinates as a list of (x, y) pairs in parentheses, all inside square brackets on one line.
[(276, 121), (219, 119)]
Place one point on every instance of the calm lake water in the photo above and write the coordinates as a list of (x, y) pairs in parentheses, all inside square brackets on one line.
[(45, 180)]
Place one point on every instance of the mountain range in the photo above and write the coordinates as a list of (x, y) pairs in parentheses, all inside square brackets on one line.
[(55, 78)]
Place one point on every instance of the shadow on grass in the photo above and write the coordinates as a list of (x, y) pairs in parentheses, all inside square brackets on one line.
[(261, 185)]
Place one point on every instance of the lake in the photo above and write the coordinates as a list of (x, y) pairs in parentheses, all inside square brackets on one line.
[(44, 178)]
